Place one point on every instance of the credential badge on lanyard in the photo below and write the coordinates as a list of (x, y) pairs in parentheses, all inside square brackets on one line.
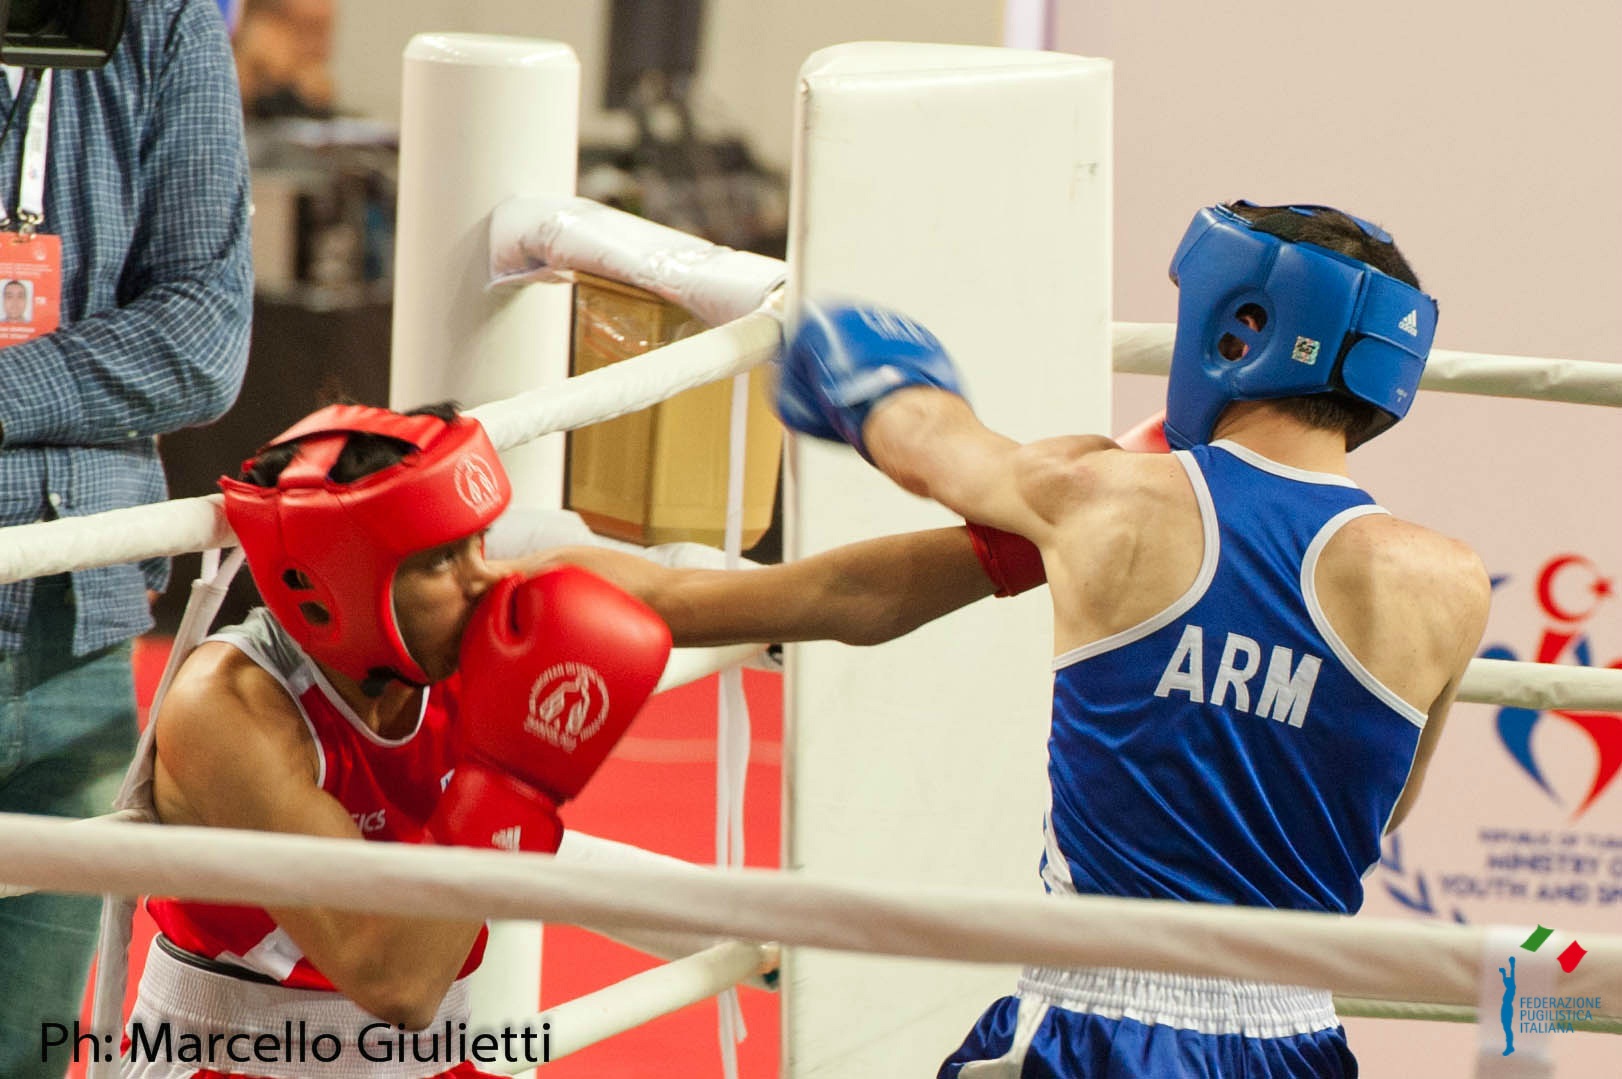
[(30, 258)]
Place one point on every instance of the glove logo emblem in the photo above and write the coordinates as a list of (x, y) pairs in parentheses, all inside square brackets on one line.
[(567, 705), (476, 482)]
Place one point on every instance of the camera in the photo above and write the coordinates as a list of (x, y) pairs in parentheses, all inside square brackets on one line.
[(60, 33)]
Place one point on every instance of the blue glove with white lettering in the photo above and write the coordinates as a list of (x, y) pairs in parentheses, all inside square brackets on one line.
[(844, 358)]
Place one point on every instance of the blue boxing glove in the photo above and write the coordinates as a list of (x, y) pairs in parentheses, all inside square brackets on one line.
[(845, 358)]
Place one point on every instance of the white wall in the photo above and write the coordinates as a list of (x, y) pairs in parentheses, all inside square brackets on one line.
[(1484, 136), (370, 36), (751, 52)]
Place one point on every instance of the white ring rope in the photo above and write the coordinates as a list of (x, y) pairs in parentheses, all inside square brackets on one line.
[(162, 529), (184, 525), (546, 237), (117, 816), (633, 384), (1541, 686), (191, 524), (1383, 959), (1445, 1013), (1144, 348), (180, 526)]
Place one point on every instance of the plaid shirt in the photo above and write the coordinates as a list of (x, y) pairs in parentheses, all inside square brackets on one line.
[(147, 185)]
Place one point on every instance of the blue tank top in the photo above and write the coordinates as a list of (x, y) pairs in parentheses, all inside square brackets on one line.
[(1230, 749)]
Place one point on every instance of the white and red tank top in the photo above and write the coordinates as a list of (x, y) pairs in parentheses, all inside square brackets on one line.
[(389, 786)]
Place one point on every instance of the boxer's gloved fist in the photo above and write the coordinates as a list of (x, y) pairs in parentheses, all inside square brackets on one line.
[(844, 358), (554, 667), (798, 403), (1147, 436), (483, 806), (1011, 562)]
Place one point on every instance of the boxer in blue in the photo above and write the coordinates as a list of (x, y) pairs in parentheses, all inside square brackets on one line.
[(1252, 659)]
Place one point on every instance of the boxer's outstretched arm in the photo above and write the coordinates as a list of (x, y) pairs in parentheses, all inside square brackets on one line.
[(880, 381), (930, 442), (861, 593)]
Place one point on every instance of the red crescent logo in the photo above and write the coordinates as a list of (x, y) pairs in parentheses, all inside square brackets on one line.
[(1600, 588)]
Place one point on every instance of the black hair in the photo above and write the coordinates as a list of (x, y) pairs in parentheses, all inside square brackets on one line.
[(1357, 420), (362, 455), (1330, 229)]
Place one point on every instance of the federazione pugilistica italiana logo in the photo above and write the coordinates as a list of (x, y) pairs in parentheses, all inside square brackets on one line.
[(1545, 1014)]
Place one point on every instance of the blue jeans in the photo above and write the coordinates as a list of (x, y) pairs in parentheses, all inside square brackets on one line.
[(67, 733)]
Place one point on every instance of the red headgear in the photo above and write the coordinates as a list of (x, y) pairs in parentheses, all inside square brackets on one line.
[(324, 554)]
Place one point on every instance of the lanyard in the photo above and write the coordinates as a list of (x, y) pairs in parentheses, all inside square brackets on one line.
[(31, 183)]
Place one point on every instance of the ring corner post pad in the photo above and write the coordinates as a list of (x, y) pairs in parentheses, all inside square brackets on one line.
[(511, 108), (914, 189)]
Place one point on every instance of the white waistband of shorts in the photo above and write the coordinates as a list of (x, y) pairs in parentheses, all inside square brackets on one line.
[(1185, 1001), (177, 1000)]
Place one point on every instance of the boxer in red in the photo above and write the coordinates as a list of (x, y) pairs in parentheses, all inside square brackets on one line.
[(331, 711)]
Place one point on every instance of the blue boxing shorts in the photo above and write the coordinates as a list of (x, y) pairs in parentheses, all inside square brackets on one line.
[(1126, 1024)]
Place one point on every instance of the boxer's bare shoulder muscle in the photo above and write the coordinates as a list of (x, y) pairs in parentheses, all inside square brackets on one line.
[(1409, 603), (227, 734), (1128, 540)]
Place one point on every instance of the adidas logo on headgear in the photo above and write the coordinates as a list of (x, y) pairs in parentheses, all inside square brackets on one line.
[(1410, 323), (507, 839)]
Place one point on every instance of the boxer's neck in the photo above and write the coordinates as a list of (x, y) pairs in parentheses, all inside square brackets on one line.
[(1278, 436)]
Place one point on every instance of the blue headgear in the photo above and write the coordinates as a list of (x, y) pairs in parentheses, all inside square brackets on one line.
[(1328, 324)]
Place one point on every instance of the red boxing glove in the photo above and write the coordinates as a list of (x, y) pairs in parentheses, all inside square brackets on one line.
[(1149, 436), (1012, 562), (484, 807), (554, 668)]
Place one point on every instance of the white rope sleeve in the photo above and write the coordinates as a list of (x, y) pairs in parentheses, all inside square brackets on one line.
[(543, 237), (179, 526), (1384, 959), (1144, 348), (690, 664), (639, 999), (124, 816), (580, 848)]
